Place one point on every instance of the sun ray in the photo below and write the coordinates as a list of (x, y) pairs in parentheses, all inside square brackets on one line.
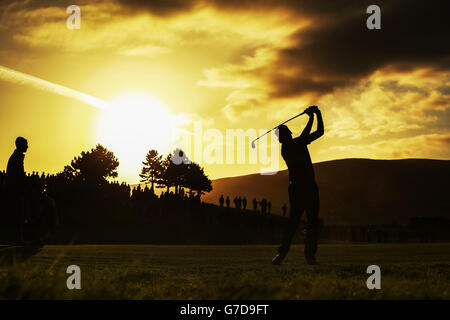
[(17, 77)]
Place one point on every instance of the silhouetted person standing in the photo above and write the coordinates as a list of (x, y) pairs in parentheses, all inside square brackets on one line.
[(255, 204), (303, 191), (244, 203), (221, 200), (263, 205), (15, 179), (228, 201)]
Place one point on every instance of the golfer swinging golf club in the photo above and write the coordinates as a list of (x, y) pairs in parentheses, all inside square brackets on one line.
[(303, 191)]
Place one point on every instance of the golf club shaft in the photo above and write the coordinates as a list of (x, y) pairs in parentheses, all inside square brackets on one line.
[(289, 120), (278, 126)]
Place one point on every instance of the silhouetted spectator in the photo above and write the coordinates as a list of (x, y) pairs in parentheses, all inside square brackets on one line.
[(228, 201), (221, 200), (239, 203), (15, 180), (255, 204), (284, 209), (15, 172), (244, 203), (263, 205), (182, 193)]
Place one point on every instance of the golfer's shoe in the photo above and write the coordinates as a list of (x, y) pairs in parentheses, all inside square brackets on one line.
[(278, 259)]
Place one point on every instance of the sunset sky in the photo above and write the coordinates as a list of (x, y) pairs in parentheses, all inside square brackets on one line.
[(162, 65)]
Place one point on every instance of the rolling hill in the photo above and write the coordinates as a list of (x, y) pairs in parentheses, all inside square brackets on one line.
[(357, 191)]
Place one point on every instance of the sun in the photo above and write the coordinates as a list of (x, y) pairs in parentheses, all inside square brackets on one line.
[(130, 126)]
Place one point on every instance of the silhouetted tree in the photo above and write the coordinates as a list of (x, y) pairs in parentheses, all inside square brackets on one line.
[(153, 168), (174, 170), (93, 167), (165, 180), (195, 179)]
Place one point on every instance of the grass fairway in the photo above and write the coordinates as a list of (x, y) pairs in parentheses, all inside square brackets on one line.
[(408, 271)]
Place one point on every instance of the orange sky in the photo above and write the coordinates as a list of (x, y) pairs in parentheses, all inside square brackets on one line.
[(228, 64)]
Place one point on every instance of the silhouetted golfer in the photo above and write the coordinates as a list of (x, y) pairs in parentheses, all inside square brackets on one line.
[(221, 200), (303, 191), (15, 179)]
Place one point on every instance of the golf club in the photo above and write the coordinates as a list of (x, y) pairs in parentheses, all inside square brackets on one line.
[(253, 142)]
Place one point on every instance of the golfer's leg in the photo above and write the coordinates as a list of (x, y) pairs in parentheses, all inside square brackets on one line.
[(312, 227), (289, 232), (296, 210)]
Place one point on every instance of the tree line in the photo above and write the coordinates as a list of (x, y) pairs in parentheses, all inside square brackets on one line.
[(96, 166), (175, 170)]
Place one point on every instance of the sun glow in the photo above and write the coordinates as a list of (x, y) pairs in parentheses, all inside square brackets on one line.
[(130, 126)]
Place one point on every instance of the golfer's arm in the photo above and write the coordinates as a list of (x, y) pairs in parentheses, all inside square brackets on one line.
[(308, 127), (320, 130)]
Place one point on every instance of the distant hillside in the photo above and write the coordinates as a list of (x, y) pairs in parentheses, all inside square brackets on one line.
[(357, 191)]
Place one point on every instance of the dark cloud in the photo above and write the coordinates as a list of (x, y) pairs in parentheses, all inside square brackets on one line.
[(342, 50), (338, 49), (443, 139), (160, 7), (14, 5), (303, 6)]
